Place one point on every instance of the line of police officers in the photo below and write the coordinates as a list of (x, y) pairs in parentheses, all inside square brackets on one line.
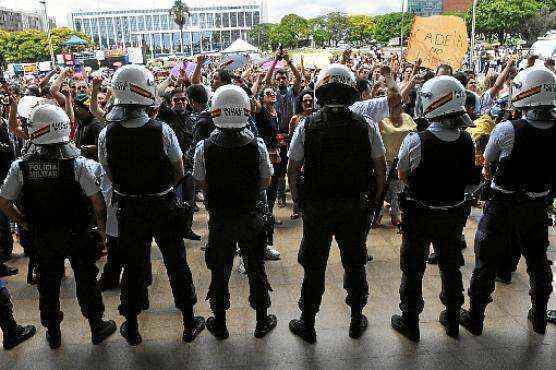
[(143, 160)]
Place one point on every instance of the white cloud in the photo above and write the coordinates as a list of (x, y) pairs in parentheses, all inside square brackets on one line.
[(60, 9)]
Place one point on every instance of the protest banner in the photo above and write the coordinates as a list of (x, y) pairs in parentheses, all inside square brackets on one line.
[(438, 39)]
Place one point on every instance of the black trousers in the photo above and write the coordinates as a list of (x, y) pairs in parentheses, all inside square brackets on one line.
[(53, 247), (114, 264), (346, 220), (421, 227), (7, 321), (6, 239), (525, 222), (186, 193), (225, 232), (139, 221), (272, 191)]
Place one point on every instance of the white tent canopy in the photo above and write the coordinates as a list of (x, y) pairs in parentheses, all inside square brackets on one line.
[(240, 46)]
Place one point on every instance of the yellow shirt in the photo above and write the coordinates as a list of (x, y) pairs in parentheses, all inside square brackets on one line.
[(483, 127), (393, 136)]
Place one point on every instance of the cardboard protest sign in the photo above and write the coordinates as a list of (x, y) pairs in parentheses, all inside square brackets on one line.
[(437, 40)]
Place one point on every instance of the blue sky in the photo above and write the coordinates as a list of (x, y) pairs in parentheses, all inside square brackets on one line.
[(278, 8)]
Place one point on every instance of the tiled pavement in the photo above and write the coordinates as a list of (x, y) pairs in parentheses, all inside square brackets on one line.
[(507, 343)]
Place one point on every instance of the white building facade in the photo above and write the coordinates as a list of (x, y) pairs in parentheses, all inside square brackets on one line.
[(211, 26)]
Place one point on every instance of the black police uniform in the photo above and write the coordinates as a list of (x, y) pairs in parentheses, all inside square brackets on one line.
[(434, 211), (232, 198), (518, 215), (50, 188), (338, 173), (142, 177)]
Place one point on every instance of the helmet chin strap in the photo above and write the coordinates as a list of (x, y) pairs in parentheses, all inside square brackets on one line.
[(454, 121), (540, 114)]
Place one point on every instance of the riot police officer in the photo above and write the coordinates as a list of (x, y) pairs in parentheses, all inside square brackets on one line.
[(143, 161), (338, 150), (232, 166), (58, 193), (436, 165), (520, 187)]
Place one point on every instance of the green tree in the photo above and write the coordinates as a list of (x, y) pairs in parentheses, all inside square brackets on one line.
[(361, 28), (61, 35), (337, 26), (293, 29), (260, 35), (318, 31), (388, 26), (26, 46), (501, 17), (180, 11)]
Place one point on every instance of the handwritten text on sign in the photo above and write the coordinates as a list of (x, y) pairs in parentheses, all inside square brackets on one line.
[(437, 40)]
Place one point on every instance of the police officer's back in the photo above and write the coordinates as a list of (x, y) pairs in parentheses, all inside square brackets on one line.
[(522, 186), (338, 150), (143, 159), (232, 166), (59, 193), (436, 164)]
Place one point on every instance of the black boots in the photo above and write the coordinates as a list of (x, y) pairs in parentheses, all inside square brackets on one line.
[(472, 320), (407, 325), (101, 329), (450, 322), (265, 326), (217, 325), (358, 326), (54, 335), (538, 319), (304, 330), (18, 336), (130, 331), (193, 329), (217, 328)]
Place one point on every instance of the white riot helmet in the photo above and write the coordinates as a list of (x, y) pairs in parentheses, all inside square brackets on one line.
[(534, 87), (337, 83), (48, 124), (133, 85), (26, 105), (442, 96), (230, 107)]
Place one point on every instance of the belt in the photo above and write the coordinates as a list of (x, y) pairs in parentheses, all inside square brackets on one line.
[(148, 195), (445, 207), (529, 194)]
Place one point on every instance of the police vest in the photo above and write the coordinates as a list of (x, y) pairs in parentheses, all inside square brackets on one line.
[(137, 161), (446, 167), (525, 169), (337, 161), (232, 174), (52, 197)]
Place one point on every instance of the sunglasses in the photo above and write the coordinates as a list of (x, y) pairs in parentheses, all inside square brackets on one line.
[(270, 93), (184, 99)]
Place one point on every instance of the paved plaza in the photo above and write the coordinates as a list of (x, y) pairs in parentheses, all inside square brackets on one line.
[(508, 341)]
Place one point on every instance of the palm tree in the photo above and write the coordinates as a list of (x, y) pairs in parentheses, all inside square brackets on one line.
[(180, 12)]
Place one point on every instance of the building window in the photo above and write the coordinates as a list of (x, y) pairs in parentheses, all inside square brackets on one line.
[(233, 19)]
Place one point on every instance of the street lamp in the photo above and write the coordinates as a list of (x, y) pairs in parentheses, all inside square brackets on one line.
[(47, 29), (474, 19)]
